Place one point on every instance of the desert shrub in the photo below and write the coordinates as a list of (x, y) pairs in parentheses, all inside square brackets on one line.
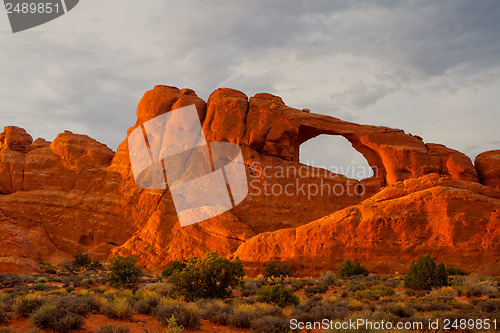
[(447, 292), (488, 306), (119, 308), (349, 268), (210, 276), (162, 289), (318, 288), (355, 305), (109, 328), (95, 265), (316, 310), (97, 304), (81, 260), (8, 280), (216, 311), (277, 294), (409, 292), (402, 310), (3, 316), (243, 315), (27, 305), (42, 287), (147, 305), (454, 271), (329, 278), (250, 287), (172, 267), (424, 274), (374, 292), (49, 316), (186, 315), (297, 284), (124, 271), (277, 271), (68, 322), (74, 304), (474, 286), (427, 306), (270, 324), (173, 326)]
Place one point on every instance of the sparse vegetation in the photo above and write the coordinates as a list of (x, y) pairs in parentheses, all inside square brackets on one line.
[(63, 302)]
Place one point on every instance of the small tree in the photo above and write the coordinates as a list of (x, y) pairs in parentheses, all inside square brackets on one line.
[(210, 276), (124, 271), (349, 268), (81, 260), (425, 274), (173, 266), (276, 270)]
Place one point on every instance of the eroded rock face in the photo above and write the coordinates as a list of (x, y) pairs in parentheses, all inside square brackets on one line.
[(488, 167), (76, 194), (422, 215)]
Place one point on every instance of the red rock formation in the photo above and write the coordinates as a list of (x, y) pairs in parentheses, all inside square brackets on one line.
[(488, 167), (75, 194), (387, 231)]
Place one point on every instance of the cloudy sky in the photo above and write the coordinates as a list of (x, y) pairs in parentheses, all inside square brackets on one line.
[(431, 68)]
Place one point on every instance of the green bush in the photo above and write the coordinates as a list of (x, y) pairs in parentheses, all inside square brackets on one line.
[(349, 268), (277, 294), (124, 271), (210, 276), (173, 266), (424, 274), (81, 259), (277, 270)]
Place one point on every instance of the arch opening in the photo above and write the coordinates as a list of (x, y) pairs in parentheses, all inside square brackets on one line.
[(336, 154)]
